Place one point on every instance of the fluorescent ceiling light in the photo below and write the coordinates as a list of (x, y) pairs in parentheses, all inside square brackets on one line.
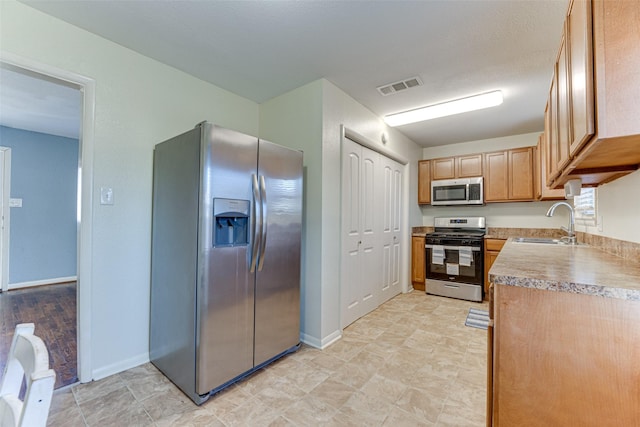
[(457, 106)]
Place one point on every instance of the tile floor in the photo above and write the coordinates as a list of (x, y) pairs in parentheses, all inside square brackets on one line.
[(411, 362)]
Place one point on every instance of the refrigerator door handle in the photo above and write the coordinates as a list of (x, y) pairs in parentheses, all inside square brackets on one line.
[(257, 224), (263, 221)]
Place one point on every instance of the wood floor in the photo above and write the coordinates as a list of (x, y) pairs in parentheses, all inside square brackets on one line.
[(52, 309)]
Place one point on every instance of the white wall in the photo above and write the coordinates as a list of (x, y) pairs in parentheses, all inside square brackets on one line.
[(510, 215), (482, 146), (518, 215), (139, 102), (619, 207), (338, 109), (309, 118), (43, 241)]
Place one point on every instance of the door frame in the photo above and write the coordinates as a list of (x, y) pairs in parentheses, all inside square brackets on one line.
[(85, 195), (347, 133), (5, 212)]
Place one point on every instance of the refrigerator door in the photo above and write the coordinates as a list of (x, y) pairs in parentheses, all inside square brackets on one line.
[(277, 291), (225, 316)]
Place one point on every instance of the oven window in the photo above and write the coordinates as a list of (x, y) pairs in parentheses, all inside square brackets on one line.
[(451, 269), (450, 193)]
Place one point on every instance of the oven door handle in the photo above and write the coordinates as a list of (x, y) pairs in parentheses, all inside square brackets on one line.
[(455, 248)]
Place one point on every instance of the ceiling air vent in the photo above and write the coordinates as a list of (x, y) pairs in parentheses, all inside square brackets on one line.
[(399, 86)]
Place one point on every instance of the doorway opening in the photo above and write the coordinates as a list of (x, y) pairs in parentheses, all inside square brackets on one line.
[(372, 226), (70, 296)]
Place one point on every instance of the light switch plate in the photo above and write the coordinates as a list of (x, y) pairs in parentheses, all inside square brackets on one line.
[(106, 196), (15, 203)]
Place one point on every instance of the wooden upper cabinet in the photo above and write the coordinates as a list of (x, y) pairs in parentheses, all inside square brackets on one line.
[(578, 37), (469, 166), (424, 182), (540, 185), (600, 49), (508, 175), (563, 112), (496, 177), (537, 169), (457, 167), (552, 140), (616, 50), (520, 164), (443, 168)]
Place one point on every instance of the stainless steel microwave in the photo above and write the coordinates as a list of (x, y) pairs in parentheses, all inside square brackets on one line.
[(462, 191)]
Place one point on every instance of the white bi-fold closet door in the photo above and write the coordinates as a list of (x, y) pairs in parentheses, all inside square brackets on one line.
[(371, 223)]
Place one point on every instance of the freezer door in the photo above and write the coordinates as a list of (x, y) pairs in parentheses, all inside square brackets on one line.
[(226, 286), (277, 291)]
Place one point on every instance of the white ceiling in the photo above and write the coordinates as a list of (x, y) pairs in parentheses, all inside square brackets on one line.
[(32, 102), (261, 49)]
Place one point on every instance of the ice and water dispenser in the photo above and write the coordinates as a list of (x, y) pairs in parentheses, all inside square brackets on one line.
[(231, 222)]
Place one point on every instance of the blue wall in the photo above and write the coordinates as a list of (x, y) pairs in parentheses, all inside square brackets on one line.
[(43, 238)]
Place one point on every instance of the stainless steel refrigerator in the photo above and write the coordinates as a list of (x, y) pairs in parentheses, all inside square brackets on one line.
[(225, 258)]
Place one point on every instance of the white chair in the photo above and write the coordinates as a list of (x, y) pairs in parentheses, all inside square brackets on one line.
[(28, 359)]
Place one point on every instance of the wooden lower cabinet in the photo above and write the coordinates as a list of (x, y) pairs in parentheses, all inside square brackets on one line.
[(563, 359), (492, 248), (418, 266), (490, 343)]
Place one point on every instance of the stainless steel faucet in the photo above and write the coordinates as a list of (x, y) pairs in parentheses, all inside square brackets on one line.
[(571, 234)]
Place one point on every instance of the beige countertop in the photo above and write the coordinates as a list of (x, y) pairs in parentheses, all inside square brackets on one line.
[(578, 269), (421, 231)]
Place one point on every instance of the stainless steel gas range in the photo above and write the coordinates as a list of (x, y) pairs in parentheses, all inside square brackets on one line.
[(455, 258)]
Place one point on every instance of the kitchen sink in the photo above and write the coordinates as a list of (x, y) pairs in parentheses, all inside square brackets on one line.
[(544, 240)]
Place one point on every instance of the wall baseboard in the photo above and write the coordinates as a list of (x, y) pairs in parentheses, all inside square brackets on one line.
[(43, 282), (321, 343), (121, 366)]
